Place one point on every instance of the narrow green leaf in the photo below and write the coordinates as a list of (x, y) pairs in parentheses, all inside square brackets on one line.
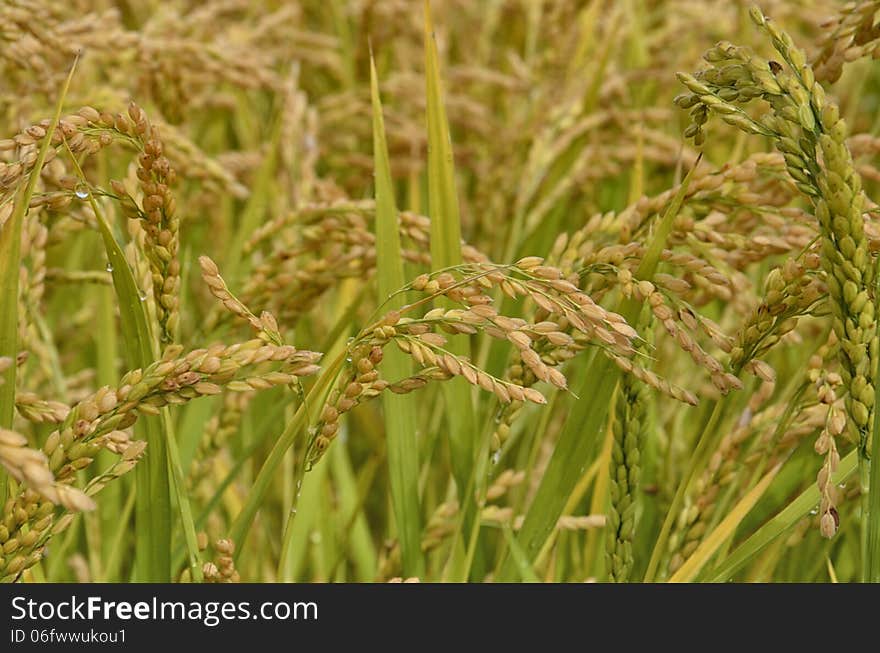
[(787, 517), (10, 262), (116, 543), (399, 410), (442, 193), (571, 455), (153, 496), (297, 531), (178, 488), (315, 398), (352, 492), (445, 217), (721, 533), (526, 573)]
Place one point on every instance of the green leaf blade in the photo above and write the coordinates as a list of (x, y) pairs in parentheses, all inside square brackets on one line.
[(785, 519), (445, 215), (152, 481), (399, 410), (10, 258)]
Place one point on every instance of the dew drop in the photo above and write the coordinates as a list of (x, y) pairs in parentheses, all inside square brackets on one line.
[(81, 191), (109, 266), (496, 457), (814, 511), (142, 296)]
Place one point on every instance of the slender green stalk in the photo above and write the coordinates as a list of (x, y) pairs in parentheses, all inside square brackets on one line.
[(460, 568), (316, 396), (178, 480), (354, 531), (283, 572), (244, 520), (116, 545)]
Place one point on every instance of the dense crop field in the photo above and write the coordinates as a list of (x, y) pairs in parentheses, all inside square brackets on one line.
[(496, 290)]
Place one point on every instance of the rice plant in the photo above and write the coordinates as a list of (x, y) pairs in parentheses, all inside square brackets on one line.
[(501, 291)]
